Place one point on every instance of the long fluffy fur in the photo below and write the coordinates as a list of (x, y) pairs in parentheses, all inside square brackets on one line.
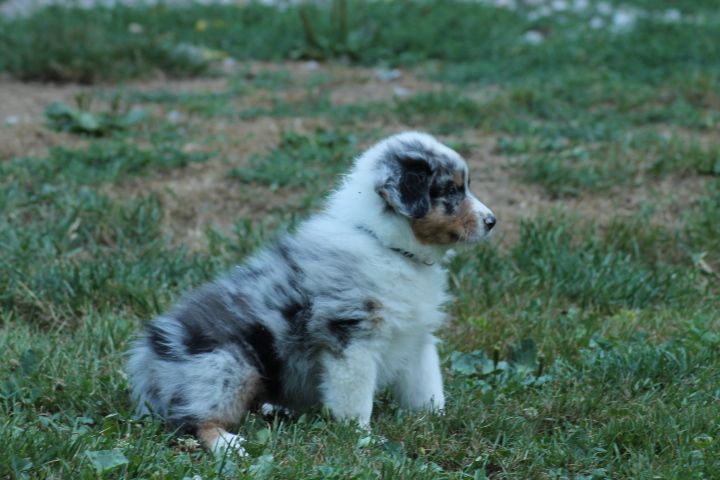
[(327, 315)]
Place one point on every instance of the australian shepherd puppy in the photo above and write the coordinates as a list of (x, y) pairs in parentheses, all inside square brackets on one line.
[(345, 306)]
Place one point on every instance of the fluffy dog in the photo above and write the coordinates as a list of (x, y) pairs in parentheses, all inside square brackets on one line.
[(328, 315)]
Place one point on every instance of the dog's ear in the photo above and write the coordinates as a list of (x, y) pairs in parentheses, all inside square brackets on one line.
[(407, 188)]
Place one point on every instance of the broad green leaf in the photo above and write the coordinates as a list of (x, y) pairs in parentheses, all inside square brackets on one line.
[(104, 460)]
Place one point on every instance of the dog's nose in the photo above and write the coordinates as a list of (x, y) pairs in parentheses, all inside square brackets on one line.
[(489, 222)]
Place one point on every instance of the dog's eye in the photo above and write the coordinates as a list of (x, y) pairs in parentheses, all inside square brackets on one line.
[(447, 190)]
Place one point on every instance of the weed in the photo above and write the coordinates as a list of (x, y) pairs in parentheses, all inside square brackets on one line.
[(65, 118), (207, 104), (447, 111), (301, 161)]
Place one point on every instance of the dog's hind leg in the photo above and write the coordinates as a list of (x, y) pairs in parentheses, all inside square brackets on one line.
[(213, 432), (211, 392)]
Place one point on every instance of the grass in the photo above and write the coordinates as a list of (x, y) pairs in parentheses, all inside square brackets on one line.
[(307, 161), (582, 344)]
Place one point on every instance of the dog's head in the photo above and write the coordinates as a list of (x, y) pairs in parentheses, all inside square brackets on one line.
[(428, 183)]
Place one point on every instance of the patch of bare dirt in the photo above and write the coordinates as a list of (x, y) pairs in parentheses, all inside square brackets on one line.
[(27, 101), (361, 86), (200, 196), (22, 124), (203, 195), (495, 182), (31, 140), (195, 85)]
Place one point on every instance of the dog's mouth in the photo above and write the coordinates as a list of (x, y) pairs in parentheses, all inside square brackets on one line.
[(469, 238)]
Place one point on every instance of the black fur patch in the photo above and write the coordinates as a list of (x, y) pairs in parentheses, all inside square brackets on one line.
[(344, 329), (160, 343), (195, 316), (177, 400), (414, 186), (444, 191), (196, 341), (406, 190), (297, 315), (267, 361), (184, 425), (291, 311)]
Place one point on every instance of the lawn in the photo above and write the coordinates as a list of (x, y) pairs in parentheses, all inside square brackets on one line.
[(583, 338)]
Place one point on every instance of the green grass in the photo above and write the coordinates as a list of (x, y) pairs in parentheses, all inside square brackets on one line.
[(76, 44), (575, 349), (307, 161)]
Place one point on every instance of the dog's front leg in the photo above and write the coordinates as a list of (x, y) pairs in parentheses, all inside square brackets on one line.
[(349, 382), (419, 385)]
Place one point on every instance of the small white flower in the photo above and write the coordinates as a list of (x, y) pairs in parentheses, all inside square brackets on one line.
[(510, 4), (559, 5), (604, 8), (12, 120), (533, 37), (401, 91), (388, 75), (310, 65), (672, 15), (530, 413), (623, 20), (580, 5), (596, 23), (541, 12), (173, 116)]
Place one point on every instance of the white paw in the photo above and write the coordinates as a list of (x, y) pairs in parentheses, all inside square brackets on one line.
[(228, 442), (437, 407), (364, 423), (268, 409)]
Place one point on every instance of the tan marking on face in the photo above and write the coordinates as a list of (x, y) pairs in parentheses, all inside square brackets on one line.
[(459, 178), (439, 228)]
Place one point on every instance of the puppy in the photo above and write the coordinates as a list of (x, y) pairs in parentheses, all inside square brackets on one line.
[(346, 305)]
